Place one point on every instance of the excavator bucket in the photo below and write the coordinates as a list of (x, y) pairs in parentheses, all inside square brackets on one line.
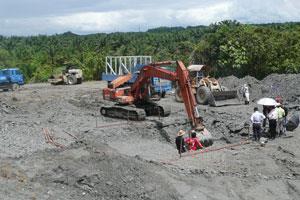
[(225, 98), (205, 137)]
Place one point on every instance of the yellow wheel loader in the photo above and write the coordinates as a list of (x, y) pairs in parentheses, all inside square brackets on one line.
[(208, 90)]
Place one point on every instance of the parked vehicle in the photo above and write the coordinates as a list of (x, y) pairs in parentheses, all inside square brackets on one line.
[(207, 89), (11, 79), (69, 76), (117, 66)]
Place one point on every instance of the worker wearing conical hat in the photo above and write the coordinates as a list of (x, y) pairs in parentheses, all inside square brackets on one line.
[(180, 145)]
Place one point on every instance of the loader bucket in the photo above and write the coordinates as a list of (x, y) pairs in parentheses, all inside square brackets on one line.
[(225, 98), (56, 81)]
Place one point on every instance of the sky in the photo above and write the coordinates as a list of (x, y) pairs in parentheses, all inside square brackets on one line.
[(33, 17)]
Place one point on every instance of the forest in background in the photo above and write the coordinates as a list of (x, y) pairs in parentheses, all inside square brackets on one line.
[(230, 47)]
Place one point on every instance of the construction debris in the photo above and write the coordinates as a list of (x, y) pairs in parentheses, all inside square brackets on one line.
[(49, 138), (73, 136)]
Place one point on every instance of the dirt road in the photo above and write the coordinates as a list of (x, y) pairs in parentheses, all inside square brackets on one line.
[(104, 158)]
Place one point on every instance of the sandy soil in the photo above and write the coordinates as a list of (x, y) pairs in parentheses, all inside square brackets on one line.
[(106, 158)]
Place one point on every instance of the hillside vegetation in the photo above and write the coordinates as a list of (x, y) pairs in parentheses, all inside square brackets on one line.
[(229, 46)]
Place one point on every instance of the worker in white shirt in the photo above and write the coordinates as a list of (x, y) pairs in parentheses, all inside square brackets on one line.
[(272, 116), (257, 119), (246, 94)]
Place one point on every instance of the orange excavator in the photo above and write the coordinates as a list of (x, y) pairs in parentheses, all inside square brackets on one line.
[(133, 102)]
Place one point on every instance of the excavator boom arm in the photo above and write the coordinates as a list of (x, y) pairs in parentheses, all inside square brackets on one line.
[(188, 96), (181, 76), (120, 81)]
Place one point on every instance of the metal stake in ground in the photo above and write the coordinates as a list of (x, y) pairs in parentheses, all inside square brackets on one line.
[(96, 118)]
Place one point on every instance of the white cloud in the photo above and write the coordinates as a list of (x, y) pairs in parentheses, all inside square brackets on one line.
[(99, 21), (257, 11), (135, 15), (125, 20), (204, 15)]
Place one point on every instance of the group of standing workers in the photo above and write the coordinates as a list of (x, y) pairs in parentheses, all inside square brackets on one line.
[(276, 116), (191, 143)]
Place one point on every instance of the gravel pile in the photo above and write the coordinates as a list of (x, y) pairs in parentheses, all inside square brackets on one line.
[(285, 85)]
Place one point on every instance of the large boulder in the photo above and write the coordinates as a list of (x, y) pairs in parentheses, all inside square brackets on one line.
[(293, 122)]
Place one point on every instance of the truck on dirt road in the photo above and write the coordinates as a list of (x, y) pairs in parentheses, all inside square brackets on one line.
[(117, 66), (11, 79)]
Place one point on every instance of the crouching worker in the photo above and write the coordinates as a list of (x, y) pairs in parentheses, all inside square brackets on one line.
[(180, 145), (193, 142)]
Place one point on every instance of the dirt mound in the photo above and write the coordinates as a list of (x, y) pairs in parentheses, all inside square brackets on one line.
[(285, 85), (89, 101), (90, 171)]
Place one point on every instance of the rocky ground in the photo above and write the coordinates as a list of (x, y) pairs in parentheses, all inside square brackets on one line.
[(104, 158)]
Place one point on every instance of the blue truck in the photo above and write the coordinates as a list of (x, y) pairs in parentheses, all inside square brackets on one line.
[(11, 79)]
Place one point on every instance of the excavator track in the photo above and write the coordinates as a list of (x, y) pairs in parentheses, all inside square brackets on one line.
[(123, 112), (137, 113), (155, 109)]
